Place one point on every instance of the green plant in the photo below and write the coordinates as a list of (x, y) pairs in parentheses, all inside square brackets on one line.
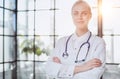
[(31, 46)]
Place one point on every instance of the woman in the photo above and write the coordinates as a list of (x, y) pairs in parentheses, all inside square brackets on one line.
[(80, 55)]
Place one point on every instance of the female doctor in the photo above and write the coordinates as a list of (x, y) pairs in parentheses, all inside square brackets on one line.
[(80, 55)]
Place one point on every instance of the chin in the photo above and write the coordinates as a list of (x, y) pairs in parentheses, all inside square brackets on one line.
[(80, 26)]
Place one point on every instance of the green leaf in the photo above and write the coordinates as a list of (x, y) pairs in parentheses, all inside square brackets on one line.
[(27, 50), (38, 52)]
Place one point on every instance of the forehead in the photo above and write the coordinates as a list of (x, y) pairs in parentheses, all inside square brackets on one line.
[(80, 7)]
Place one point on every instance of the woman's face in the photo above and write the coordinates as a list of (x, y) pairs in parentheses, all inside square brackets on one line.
[(81, 15)]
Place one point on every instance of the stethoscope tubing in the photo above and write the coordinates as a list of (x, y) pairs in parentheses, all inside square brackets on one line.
[(65, 53), (87, 42)]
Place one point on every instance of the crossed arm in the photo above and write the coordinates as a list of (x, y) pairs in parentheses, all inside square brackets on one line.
[(93, 63), (94, 67)]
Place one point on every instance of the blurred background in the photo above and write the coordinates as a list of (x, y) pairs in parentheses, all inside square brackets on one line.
[(29, 30)]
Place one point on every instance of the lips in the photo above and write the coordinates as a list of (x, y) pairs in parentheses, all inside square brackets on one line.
[(79, 21)]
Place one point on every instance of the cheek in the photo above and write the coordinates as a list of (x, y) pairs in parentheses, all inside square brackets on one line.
[(89, 17), (73, 18), (86, 17)]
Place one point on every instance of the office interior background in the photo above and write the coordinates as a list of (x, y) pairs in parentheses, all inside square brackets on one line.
[(29, 30)]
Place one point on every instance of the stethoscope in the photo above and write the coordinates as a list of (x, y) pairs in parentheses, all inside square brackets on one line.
[(65, 53)]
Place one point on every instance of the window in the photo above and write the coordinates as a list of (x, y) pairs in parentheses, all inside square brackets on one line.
[(111, 31), (35, 26), (7, 39), (28, 27)]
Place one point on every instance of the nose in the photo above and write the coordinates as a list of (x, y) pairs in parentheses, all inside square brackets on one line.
[(80, 16)]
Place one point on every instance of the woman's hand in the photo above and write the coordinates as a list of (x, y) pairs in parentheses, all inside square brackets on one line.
[(56, 59), (93, 63)]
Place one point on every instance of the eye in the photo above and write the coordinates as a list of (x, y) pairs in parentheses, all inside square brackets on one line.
[(85, 13), (75, 13)]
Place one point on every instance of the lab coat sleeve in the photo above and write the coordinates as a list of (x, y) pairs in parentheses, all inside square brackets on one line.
[(99, 53), (97, 72), (66, 71), (59, 70), (56, 69)]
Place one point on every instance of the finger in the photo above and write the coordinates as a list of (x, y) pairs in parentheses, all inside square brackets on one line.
[(97, 64), (97, 60)]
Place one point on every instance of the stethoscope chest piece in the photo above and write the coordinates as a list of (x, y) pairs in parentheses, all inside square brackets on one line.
[(65, 55)]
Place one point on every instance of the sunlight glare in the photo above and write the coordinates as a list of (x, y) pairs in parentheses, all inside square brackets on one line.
[(106, 9)]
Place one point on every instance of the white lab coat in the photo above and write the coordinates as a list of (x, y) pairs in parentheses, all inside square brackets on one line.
[(65, 70)]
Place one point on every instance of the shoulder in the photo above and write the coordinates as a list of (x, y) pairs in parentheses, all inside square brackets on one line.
[(62, 40), (98, 40)]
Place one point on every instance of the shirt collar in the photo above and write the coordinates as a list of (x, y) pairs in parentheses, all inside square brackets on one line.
[(83, 37)]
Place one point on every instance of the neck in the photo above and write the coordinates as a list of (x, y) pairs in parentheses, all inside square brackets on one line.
[(81, 32)]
